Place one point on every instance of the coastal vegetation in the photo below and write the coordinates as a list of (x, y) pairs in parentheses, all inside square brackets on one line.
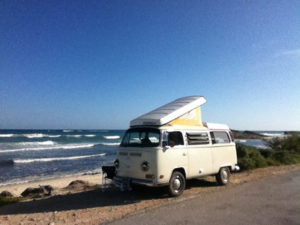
[(281, 151), (290, 143)]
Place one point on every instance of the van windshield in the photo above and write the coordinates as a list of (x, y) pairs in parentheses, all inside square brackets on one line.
[(141, 137)]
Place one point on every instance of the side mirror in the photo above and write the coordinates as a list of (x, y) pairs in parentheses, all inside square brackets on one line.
[(164, 144), (213, 141), (166, 147)]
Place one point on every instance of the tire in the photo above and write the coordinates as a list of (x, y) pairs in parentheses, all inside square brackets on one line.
[(176, 184), (223, 176)]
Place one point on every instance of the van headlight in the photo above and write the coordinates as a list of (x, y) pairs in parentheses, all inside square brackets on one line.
[(145, 166), (117, 163)]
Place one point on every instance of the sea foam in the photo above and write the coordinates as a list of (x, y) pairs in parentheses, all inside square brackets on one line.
[(112, 137), (6, 135), (75, 135), (37, 135), (67, 131), (37, 143), (69, 146), (90, 135), (57, 159), (110, 144)]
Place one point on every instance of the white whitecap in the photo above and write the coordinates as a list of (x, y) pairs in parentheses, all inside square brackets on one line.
[(56, 159), (37, 143), (6, 135), (68, 146), (38, 135), (90, 135), (54, 136), (112, 137), (110, 144), (67, 131), (75, 135)]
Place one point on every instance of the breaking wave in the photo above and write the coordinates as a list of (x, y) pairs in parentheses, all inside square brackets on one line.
[(37, 143), (40, 135), (112, 137), (34, 135), (54, 136), (56, 159), (75, 135), (110, 144), (6, 135), (69, 146), (67, 131)]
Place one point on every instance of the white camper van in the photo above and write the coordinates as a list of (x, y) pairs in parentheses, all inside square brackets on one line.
[(171, 144)]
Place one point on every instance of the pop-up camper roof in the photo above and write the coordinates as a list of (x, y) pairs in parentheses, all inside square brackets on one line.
[(182, 111)]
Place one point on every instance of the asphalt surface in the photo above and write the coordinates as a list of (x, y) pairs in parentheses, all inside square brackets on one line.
[(271, 201)]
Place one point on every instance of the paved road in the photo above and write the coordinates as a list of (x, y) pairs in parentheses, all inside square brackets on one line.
[(271, 201)]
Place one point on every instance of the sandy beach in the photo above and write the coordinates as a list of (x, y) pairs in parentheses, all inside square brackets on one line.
[(96, 206), (56, 183)]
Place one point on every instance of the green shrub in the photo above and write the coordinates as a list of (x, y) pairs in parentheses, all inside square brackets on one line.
[(286, 157), (250, 158), (290, 143)]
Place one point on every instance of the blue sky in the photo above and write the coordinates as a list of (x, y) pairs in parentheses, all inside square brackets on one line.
[(99, 64)]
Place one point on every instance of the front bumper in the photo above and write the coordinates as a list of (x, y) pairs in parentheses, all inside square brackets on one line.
[(236, 168), (121, 181)]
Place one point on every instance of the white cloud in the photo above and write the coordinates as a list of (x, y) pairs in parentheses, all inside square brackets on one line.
[(291, 52)]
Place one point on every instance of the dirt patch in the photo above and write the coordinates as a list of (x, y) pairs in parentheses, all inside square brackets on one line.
[(96, 206)]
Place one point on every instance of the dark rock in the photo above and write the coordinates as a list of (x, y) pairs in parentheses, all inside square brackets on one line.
[(6, 194), (247, 135), (78, 185), (292, 132), (38, 192), (78, 182)]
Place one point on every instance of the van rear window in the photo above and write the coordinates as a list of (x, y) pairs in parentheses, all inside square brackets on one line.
[(197, 138)]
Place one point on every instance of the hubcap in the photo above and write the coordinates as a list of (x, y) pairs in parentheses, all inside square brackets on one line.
[(225, 176), (176, 184)]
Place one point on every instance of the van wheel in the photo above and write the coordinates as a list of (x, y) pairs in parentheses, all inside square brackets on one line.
[(176, 184), (223, 176)]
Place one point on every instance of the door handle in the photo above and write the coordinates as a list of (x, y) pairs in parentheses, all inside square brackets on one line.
[(184, 154)]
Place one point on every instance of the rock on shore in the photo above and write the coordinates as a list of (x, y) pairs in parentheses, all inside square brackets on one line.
[(39, 192)]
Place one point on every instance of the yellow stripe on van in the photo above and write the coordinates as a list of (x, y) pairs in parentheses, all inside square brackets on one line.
[(192, 118)]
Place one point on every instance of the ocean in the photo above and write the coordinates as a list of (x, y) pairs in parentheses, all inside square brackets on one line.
[(28, 155)]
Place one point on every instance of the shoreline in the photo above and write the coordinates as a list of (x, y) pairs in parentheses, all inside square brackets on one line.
[(56, 182)]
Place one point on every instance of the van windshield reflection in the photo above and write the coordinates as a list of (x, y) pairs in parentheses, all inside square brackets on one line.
[(141, 137)]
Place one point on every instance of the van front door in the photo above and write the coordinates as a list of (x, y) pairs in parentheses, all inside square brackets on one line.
[(177, 152)]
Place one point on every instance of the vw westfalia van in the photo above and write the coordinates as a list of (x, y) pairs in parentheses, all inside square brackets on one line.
[(171, 144)]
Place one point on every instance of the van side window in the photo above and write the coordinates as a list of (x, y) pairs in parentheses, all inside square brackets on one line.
[(175, 138), (197, 138), (219, 137)]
